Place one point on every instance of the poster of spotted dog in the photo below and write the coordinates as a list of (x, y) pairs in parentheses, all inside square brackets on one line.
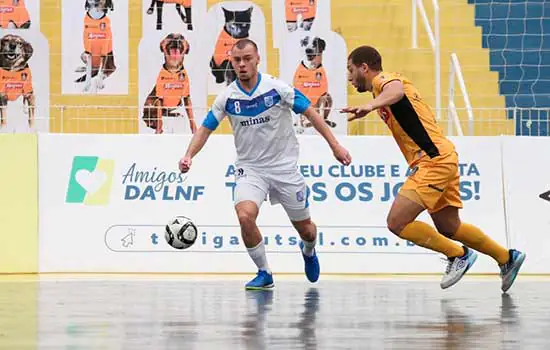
[(24, 81), (121, 191), (315, 63), (94, 47), (172, 84), (292, 16), (226, 23)]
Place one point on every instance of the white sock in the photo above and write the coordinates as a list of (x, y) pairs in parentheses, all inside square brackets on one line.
[(258, 256), (308, 247)]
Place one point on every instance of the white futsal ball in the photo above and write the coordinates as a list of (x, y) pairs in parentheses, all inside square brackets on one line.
[(181, 232)]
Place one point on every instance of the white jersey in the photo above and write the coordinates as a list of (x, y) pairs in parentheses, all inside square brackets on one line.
[(262, 123)]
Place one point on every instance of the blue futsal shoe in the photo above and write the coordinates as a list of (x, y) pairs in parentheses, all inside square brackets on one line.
[(509, 271), (312, 267), (263, 280)]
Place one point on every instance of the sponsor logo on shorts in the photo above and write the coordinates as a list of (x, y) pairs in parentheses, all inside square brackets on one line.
[(435, 188), (240, 173), (300, 196)]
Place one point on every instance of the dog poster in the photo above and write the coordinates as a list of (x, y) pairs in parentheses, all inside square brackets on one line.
[(316, 64), (94, 48), (173, 15), (290, 16), (228, 22), (24, 81), (20, 14), (172, 87)]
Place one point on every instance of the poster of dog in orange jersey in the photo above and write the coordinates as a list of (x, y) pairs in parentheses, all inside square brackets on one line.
[(172, 84), (24, 81), (20, 14), (316, 65), (94, 48)]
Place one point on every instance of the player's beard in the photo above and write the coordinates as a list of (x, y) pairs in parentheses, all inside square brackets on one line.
[(361, 85)]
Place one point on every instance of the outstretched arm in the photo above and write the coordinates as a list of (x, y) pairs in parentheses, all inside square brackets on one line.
[(319, 124), (210, 123), (197, 143), (302, 105), (392, 93)]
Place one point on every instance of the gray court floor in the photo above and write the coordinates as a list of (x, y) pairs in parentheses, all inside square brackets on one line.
[(183, 313)]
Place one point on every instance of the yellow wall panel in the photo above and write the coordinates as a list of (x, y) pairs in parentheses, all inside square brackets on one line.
[(19, 203)]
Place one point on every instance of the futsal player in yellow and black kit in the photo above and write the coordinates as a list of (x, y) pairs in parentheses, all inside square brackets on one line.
[(434, 181)]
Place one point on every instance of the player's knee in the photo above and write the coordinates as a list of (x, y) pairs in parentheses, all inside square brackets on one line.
[(395, 225), (246, 217)]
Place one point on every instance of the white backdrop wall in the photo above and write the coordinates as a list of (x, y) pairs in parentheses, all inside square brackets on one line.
[(104, 201)]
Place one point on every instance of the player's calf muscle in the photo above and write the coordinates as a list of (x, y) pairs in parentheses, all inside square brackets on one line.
[(306, 229), (447, 221), (247, 213)]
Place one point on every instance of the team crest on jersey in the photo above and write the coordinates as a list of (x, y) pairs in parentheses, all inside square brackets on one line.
[(268, 100), (319, 76)]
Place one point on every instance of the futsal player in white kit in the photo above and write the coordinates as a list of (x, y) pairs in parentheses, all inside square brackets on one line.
[(259, 108)]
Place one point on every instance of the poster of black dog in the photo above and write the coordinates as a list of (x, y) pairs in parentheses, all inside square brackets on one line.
[(227, 22), (316, 64), (24, 82), (94, 49)]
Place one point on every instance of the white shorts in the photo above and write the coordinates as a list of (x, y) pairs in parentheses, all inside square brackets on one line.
[(288, 189)]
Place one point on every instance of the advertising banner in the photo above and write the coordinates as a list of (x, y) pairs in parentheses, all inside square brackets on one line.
[(526, 165), (105, 200)]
